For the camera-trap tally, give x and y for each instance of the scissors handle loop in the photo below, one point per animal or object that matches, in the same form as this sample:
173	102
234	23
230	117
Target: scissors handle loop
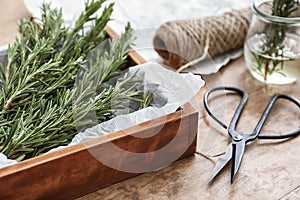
266	114
238	111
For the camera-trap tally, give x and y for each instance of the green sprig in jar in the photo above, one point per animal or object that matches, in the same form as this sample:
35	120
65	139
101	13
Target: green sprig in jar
272	47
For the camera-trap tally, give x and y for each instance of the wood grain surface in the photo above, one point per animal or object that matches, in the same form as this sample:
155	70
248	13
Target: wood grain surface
270	169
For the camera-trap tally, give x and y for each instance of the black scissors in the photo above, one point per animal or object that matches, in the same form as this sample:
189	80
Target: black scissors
236	149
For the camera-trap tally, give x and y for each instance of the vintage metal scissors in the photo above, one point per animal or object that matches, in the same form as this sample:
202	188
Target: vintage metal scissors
236	149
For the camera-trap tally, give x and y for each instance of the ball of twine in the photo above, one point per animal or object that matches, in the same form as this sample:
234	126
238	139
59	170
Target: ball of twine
182	43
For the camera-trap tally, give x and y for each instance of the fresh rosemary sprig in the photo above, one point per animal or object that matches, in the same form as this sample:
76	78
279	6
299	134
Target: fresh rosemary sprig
53	81
275	34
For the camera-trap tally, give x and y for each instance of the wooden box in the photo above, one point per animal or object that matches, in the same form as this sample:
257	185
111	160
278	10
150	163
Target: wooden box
73	172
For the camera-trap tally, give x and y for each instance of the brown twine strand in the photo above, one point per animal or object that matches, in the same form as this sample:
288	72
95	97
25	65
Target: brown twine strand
183	43
191	63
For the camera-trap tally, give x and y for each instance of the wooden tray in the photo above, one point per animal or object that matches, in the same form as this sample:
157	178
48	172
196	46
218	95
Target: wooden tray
75	171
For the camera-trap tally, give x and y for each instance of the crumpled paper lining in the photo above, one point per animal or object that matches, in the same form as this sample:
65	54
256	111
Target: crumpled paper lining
4	161
175	90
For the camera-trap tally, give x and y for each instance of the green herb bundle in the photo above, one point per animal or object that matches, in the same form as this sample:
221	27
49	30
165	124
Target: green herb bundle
273	46
52	81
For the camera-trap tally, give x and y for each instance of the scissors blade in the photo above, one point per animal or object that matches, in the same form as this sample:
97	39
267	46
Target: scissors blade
221	163
238	149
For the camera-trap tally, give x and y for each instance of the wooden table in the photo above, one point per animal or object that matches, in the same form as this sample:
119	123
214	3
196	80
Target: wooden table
270	169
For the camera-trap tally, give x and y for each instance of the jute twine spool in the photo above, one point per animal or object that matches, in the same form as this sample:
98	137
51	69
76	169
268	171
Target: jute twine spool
183	43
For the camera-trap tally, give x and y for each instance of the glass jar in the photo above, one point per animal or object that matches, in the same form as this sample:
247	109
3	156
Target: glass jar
272	46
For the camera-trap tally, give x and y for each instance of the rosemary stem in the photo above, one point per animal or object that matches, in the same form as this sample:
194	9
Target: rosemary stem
266	70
